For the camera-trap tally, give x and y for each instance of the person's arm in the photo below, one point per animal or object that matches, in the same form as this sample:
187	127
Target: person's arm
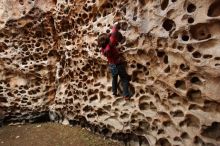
114	35
106	51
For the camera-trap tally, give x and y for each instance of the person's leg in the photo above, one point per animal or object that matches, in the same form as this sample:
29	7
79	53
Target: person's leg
124	78
114	72
114	84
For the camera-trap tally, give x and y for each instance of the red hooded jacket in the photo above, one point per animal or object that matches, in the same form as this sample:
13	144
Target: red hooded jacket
110	51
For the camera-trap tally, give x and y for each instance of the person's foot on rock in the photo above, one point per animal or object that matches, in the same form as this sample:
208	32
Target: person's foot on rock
115	95
127	97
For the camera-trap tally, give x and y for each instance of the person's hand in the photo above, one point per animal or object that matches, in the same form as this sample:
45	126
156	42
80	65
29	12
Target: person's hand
117	25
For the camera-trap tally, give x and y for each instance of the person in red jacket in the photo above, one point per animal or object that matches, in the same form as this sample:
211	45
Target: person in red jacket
108	43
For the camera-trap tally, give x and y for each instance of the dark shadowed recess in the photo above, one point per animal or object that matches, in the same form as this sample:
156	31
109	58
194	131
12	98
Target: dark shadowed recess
103	130
36	117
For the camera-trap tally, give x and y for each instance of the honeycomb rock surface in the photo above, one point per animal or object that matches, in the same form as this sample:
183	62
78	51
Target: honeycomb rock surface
51	68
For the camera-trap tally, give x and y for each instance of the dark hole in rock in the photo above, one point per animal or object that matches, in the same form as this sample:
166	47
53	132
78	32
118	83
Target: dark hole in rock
38	34
160	53
135	14
177	138
190	121
185	37
177	113
211	106
217	58
180	84
184	135
195	80
217	64
124	10
212	131
95	97
194	107
163	142
25	48
37	44
180	48
173	1
40	117
190	20
184	67
144	125
134	18
175	36
68	43
10	94
144	106
142	91
139	66
191	8
85	31
164	4
66	10
142	2
160	131
197	140
105	13
21	2
3	99
141	52
168	24
152	106
89	8
101	112
53	53
207	56
194	95
84	16
87	108
196	54
124	25
124	116
200	31
105	131
108	5
214	9
167	70
167	123
165	60
190	48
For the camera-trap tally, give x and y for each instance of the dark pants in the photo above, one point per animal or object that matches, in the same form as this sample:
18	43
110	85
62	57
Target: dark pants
116	70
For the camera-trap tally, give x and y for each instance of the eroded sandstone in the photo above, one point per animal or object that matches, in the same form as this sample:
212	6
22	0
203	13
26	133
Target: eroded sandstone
51	66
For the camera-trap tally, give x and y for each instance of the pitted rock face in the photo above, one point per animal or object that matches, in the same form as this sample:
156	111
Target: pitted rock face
50	65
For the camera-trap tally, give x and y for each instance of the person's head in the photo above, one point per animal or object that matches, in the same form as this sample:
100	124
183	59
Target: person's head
103	40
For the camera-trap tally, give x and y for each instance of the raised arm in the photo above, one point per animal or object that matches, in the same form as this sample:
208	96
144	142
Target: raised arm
114	35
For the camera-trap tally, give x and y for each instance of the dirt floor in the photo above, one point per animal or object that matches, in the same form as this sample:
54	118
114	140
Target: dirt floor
50	134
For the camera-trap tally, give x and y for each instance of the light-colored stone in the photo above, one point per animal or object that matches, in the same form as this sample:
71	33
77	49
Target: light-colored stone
50	63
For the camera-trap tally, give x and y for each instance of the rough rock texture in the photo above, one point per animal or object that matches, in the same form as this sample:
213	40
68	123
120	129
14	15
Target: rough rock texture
50	64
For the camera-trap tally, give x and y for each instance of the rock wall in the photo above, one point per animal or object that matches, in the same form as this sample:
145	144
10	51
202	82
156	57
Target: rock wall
50	65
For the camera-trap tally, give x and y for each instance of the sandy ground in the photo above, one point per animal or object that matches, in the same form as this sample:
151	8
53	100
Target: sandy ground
50	134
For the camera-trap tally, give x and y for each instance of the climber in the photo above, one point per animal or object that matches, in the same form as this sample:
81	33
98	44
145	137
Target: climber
108	43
